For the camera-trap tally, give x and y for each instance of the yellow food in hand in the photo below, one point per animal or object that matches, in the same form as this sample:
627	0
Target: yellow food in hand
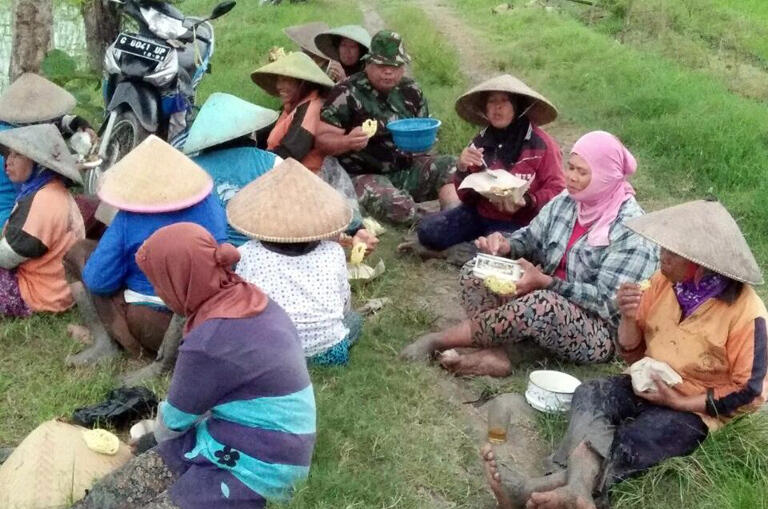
644	285
501	191
357	254
369	127
101	441
500	286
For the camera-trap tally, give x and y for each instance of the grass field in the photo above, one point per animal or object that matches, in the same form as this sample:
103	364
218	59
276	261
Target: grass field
388	437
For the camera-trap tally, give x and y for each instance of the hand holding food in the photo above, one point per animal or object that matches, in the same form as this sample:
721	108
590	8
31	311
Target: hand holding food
369	127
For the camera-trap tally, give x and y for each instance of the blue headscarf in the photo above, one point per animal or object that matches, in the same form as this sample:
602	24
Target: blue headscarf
38	178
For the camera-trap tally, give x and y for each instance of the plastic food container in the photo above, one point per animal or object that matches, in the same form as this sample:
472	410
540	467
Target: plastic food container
551	391
486	265
414	134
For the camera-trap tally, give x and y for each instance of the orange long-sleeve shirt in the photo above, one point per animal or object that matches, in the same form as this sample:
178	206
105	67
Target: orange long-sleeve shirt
720	346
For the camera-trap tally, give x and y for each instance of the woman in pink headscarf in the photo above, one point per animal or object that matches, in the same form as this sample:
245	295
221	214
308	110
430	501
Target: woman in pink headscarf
575	254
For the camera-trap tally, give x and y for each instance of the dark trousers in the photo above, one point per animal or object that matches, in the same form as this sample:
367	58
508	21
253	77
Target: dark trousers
454	226
630	434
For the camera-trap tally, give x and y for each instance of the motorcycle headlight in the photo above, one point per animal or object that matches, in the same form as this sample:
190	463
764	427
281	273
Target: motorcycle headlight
165	72
110	60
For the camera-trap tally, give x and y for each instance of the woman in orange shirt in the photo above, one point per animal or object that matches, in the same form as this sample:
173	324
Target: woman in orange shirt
300	84
44	223
700	315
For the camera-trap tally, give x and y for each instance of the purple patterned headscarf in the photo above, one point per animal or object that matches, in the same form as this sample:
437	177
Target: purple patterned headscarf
691	295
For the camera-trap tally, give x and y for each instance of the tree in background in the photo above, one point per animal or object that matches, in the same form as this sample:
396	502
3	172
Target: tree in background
32	35
102	24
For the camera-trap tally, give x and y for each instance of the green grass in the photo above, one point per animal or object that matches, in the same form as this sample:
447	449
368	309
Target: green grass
387	435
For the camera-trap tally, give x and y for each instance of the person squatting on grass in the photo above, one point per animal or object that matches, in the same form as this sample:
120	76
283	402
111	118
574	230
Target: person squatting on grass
575	254
388	181
29	100
705	321
221	142
301	86
511	114
238	424
153	186
347	45
43	225
289	212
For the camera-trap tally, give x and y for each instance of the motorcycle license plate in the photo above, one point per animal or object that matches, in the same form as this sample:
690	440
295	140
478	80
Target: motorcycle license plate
142	48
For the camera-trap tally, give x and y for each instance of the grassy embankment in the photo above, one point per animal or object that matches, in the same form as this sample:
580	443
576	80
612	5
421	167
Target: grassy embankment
694	137
386	436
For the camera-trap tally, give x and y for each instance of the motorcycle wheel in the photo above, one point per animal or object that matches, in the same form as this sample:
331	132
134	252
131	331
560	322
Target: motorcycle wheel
127	133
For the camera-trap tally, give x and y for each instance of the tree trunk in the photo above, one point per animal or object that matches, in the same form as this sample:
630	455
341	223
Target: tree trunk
32	35
102	24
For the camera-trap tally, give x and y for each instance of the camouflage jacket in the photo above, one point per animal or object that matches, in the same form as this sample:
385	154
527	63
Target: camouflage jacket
353	101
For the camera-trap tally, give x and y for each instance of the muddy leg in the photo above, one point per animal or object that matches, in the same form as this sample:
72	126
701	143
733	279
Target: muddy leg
137	483
103	347
166	355
511	488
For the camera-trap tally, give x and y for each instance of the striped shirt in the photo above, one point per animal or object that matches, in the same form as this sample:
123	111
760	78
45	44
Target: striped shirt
242	392
593	274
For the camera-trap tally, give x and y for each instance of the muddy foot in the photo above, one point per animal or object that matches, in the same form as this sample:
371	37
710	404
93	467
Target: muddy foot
482	362
142	375
415	247
422	349
511	489
564	497
79	333
100	352
493	477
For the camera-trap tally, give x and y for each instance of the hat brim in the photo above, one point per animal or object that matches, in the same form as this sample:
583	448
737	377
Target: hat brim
328	42
65	165
471	105
304	36
157	208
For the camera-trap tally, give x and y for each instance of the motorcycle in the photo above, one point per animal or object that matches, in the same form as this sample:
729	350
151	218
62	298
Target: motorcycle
151	75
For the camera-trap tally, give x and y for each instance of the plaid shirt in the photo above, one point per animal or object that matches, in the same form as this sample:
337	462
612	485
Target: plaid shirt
593	274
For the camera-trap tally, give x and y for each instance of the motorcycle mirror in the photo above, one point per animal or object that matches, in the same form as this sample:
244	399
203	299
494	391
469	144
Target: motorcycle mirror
221	9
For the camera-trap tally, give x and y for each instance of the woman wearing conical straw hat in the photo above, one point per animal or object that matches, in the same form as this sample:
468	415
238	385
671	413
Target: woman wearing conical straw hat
511	115
237	428
573	257
347	45
44	224
292	214
304	36
153	186
32	99
221	142
701	317
301	86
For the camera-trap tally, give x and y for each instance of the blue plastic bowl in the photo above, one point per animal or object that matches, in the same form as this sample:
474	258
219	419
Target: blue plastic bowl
414	134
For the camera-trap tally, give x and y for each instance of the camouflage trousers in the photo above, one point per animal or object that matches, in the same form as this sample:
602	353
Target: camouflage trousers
393	197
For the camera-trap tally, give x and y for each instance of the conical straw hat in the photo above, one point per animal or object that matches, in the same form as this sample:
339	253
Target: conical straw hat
294	65
154	177
43	144
289	204
32	99
223	118
704	233
471	105
304	35
53	467
328	42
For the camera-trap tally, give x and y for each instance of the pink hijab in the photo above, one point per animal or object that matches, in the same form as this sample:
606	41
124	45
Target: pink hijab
611	163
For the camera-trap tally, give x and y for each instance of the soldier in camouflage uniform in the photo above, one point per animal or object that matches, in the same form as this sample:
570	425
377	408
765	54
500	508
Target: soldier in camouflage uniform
388	181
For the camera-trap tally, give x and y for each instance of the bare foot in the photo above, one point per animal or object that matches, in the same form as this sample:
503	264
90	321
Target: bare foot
422	349
493	477
79	333
513	489
101	351
485	361
564	497
141	375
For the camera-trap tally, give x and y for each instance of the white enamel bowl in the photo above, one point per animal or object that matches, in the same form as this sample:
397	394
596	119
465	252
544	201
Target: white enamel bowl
551	391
